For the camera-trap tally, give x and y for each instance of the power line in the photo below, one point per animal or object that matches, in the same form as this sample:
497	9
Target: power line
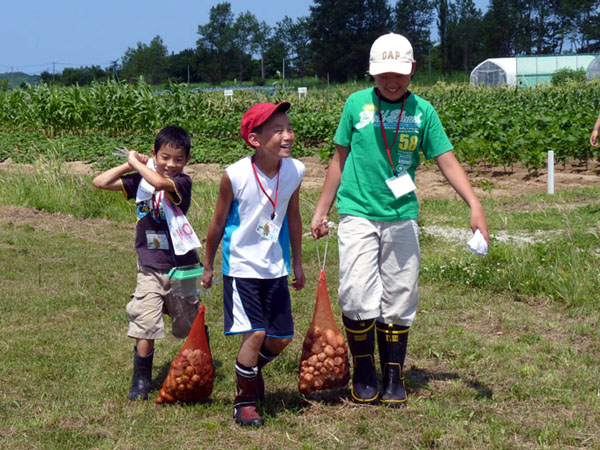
53	64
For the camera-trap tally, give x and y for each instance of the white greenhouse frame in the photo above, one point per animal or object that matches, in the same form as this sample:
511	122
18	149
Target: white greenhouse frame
526	71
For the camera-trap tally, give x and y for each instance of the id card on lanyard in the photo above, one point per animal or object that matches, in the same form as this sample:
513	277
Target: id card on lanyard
157	240
266	226
400	183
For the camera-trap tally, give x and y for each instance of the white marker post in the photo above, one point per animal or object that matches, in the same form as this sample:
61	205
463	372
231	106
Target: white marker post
302	91
550	172
229	93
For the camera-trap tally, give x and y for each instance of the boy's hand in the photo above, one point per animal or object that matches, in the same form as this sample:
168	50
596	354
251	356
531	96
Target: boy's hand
318	227
134	156
207	278
299	278
594	138
478	222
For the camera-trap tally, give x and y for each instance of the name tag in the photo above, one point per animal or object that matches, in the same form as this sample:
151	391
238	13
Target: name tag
157	240
401	185
267	229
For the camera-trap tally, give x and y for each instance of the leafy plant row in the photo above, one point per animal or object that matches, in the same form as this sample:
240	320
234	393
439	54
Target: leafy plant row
511	125
496	126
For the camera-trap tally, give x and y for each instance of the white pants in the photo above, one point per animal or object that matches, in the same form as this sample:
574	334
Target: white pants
379	269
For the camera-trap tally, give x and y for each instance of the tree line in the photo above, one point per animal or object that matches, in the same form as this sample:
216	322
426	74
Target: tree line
333	41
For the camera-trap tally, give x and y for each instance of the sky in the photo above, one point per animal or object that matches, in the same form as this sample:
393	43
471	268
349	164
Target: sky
42	35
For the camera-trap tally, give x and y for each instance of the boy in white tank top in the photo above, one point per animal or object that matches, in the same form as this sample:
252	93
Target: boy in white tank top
258	217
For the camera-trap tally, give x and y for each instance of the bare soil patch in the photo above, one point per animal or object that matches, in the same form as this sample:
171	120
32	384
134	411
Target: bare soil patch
496	182
487	181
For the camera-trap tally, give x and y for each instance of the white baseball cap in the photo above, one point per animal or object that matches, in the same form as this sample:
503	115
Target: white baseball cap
391	53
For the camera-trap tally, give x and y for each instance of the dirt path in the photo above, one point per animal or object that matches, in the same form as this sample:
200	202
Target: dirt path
487	181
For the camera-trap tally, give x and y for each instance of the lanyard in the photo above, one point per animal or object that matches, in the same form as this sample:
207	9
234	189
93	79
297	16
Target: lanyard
274	203
383	129
156	205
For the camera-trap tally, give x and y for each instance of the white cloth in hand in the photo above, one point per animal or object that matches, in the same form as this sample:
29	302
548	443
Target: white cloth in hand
477	244
145	190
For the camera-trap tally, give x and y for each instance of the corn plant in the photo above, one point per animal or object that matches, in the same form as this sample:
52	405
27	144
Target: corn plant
498	126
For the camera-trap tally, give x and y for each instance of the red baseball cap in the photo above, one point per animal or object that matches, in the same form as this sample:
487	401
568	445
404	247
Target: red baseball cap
259	114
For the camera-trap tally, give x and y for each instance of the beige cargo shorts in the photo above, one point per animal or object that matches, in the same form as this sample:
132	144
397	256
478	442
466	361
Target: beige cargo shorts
145	309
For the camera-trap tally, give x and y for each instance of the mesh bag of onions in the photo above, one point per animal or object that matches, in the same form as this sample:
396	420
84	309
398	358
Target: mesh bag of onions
324	360
191	374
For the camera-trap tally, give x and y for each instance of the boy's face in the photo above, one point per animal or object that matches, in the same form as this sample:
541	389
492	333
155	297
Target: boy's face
170	161
393	85
276	137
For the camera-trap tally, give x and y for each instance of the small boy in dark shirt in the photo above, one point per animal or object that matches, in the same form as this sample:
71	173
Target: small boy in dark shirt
154	182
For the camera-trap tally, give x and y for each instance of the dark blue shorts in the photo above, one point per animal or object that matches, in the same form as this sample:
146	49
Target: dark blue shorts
252	304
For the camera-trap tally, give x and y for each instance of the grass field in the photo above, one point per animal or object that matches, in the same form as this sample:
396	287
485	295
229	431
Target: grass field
503	353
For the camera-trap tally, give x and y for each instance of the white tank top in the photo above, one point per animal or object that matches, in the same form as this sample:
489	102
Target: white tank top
246	254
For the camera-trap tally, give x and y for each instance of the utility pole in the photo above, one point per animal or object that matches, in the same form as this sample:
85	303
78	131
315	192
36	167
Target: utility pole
53	64
188	70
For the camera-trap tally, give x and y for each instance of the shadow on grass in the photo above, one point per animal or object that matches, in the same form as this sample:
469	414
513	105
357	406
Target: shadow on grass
419	379
286	400
282	400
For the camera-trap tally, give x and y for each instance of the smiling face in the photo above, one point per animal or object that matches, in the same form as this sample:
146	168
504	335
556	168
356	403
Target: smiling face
170	161
275	137
393	85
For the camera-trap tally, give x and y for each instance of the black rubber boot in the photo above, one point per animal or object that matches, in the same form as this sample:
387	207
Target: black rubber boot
264	358
361	340
392	340
142	376
244	407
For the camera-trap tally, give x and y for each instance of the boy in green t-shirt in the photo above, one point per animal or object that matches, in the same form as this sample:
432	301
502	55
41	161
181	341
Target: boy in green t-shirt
372	172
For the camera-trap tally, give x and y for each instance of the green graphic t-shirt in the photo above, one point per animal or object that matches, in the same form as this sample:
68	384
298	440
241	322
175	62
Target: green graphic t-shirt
363	191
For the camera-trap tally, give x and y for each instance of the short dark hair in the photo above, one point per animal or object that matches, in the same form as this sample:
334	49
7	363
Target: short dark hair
258	129
173	136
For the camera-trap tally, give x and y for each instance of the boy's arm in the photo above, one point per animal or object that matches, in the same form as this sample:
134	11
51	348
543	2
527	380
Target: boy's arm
295	227
138	162
111	179
457	178
594	136
215	229
333	179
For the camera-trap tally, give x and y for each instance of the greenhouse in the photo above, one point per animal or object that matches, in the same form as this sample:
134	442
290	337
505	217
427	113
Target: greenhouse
526	71
593	70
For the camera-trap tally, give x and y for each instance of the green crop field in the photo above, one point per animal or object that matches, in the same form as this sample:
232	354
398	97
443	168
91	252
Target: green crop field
501	127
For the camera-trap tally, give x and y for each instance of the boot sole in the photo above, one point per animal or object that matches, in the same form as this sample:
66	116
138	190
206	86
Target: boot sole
364	401
397	404
256	422
251	423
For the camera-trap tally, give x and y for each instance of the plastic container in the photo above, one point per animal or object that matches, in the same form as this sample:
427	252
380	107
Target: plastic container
184	280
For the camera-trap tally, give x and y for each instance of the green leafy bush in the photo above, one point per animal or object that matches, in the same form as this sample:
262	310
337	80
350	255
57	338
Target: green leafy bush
562	76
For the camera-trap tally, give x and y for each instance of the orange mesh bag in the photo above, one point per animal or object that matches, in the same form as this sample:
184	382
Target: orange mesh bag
191	374
324	360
